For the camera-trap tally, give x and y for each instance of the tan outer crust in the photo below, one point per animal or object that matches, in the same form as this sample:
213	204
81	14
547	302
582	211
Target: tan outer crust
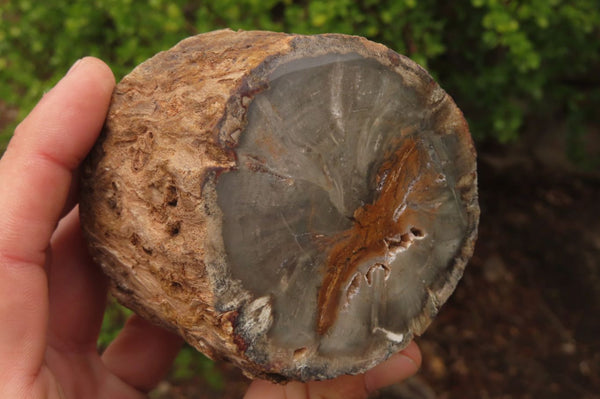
141	120
167	139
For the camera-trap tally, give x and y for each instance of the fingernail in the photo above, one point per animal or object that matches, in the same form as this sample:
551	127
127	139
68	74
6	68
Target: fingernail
74	66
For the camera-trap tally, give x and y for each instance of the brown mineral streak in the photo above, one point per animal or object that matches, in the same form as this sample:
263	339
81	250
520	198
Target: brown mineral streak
402	179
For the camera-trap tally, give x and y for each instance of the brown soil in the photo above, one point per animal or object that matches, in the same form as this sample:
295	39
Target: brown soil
525	320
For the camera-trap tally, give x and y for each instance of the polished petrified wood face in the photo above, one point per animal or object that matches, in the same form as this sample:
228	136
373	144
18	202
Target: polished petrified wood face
298	205
342	210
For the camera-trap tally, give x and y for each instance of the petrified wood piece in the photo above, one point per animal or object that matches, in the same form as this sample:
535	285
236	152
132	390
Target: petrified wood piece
299	205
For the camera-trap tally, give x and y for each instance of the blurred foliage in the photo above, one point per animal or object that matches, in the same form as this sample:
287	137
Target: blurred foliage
192	364
505	62
114	319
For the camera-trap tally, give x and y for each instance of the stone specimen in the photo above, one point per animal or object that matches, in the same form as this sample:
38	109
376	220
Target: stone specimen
298	205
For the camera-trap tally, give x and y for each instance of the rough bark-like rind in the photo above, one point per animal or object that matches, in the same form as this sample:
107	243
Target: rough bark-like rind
148	199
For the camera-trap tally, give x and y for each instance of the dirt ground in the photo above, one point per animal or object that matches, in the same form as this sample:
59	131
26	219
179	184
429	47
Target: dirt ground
525	320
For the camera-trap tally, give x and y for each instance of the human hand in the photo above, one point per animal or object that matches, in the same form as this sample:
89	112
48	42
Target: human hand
52	296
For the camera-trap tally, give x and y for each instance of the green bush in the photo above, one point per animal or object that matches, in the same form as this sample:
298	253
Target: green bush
519	61
192	364
114	319
505	62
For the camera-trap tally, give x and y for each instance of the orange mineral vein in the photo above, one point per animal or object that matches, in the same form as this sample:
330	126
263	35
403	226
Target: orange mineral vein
380	227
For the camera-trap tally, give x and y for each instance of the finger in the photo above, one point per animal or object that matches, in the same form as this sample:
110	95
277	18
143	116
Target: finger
77	290
142	353
344	387
48	145
260	389
35	173
397	368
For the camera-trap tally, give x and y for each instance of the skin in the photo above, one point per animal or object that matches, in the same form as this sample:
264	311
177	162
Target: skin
52	296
